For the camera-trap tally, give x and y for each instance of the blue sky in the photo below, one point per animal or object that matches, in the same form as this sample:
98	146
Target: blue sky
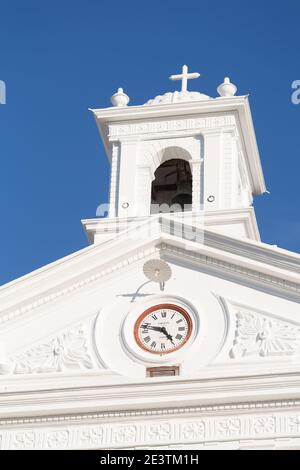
60	57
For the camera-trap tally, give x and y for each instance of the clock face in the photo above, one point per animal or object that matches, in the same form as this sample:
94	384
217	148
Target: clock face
163	329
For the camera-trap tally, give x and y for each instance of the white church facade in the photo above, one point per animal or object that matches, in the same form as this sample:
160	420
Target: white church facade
177	327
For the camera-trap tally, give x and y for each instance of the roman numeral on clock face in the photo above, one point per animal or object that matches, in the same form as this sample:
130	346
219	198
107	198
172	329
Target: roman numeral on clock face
163	329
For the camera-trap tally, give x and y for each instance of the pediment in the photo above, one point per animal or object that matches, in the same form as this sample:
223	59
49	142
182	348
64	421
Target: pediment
255	264
78	343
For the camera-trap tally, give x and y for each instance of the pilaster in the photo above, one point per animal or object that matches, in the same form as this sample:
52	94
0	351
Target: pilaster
127	178
143	190
212	169
197	169
114	180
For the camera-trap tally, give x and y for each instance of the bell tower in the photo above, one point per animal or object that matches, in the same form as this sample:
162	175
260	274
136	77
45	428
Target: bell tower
183	154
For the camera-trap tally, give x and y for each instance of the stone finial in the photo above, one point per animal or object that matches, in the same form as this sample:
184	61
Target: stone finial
119	99
227	89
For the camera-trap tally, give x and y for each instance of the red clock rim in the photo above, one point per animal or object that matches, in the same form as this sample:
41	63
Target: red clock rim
153	309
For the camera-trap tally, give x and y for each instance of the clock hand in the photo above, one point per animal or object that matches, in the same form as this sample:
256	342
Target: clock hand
161	330
154	328
164	331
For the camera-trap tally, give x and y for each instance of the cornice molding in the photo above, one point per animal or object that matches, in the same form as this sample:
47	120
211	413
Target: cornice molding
258	279
209	409
263	254
220	105
6	317
117	394
252	249
209	219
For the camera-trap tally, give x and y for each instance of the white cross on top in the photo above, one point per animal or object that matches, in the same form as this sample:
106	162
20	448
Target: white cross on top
184	77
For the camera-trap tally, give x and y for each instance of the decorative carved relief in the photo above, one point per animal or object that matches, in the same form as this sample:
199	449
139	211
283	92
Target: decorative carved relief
229	427
171	126
66	351
146	432
193	431
23	440
91	437
57	439
264	425
158	432
125	435
293	424
264	336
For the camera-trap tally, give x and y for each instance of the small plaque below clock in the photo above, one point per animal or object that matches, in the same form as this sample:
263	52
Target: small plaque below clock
168	371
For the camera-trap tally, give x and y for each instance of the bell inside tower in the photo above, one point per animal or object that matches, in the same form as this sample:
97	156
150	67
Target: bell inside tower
172	187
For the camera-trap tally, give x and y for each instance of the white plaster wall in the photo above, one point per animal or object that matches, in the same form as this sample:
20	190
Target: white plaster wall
111	302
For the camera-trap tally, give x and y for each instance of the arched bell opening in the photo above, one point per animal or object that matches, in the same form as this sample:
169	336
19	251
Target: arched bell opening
172	187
